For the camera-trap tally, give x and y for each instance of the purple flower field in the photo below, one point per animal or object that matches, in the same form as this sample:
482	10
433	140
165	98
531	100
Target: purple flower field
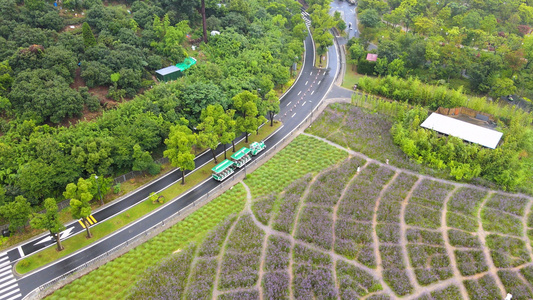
317	281
202	279
213	242
338	242
277	253
354	282
240	264
252	294
262	208
328	187
289	202
316	226
276	285
168	280
482	288
470	262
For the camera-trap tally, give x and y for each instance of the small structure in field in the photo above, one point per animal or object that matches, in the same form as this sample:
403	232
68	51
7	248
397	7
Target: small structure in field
464	130
371	57
174	72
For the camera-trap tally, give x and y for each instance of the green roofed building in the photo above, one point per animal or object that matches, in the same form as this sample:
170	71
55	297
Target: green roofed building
174	72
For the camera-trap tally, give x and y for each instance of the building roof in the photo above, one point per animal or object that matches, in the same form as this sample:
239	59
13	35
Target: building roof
167	70
371	57
222	166
239	154
187	63
469	132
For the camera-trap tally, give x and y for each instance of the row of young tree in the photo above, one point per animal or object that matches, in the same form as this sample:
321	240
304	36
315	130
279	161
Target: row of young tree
487	46
219	126
509	165
38	160
19	212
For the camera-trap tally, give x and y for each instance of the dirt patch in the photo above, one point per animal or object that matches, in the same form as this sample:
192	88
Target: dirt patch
78	81
70	28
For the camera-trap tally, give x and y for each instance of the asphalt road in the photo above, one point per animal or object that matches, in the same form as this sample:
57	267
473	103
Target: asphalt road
348	14
296	105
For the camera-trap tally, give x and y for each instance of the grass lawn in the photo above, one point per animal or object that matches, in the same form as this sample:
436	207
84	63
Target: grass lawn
318	64
100	230
350	77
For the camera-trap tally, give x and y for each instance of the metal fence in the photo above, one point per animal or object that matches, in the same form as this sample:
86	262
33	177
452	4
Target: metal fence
132	174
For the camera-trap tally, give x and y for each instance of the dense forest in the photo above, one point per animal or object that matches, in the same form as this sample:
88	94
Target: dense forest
484	46
57	60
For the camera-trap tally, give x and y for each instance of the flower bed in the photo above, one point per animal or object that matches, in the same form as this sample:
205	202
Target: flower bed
166	280
285	218
484	288
354	282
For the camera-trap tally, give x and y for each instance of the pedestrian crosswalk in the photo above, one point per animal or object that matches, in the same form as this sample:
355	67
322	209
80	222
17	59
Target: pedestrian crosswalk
9	288
307	18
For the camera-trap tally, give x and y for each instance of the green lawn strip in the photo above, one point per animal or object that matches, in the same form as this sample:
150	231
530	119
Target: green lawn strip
79	241
350	77
100	230
115	278
324	61
303	155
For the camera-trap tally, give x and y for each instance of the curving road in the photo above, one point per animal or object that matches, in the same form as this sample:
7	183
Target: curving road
296	105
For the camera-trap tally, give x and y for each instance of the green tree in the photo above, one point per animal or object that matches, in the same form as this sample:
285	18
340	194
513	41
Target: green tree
50	221
246	105
271	104
88	37
228	135
16	212
80	196
503	87
369	18
100	185
213	125
142	160
396	68
179	147
381	66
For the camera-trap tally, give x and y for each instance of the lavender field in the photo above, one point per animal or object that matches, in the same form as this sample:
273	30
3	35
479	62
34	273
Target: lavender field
375	233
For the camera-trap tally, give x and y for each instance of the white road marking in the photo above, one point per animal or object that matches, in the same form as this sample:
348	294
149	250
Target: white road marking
310	73
293	115
306	82
17	296
288	103
299	93
20	251
304	103
12	292
312	92
319	81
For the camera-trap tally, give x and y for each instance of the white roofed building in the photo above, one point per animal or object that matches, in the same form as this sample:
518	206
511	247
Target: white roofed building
467	131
